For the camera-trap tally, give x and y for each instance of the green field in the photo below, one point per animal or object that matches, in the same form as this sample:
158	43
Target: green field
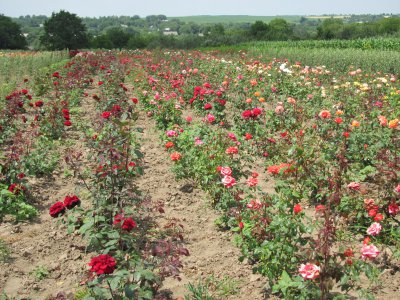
373	54
233	19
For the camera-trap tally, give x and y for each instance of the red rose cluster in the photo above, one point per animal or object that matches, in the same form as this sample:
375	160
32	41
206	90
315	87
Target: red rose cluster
126	223
102	264
252	114
66	117
58	208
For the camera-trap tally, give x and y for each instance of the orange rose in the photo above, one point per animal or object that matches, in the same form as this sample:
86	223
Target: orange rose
394	123
175	156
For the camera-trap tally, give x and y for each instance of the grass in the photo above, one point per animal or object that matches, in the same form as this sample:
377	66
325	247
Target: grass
212	288
19	65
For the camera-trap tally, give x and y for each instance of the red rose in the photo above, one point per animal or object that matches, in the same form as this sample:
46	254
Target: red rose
16	188
71	201
221	102
256	112
39	103
129	224
320	208
67	123
102	264
207	106
118	219
116	109
231	150
297	208
378	217
348	252
338	120
169	145
57	209
106	115
247	114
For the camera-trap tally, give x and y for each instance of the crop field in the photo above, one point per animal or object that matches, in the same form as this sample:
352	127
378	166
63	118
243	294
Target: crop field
223	174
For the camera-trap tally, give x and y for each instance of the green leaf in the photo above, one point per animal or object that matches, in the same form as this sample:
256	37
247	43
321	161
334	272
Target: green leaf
88	225
7	193
114	282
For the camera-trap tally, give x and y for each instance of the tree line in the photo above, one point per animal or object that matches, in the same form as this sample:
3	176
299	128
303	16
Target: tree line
66	30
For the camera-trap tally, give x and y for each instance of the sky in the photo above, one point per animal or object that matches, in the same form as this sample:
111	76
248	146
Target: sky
174	8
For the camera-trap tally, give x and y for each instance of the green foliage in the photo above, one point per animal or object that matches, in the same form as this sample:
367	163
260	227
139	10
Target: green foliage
15	205
212	288
40	272
314	54
5	252
64	31
10	34
42	159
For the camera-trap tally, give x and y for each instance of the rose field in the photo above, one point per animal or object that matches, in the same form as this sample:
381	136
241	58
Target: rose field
197	175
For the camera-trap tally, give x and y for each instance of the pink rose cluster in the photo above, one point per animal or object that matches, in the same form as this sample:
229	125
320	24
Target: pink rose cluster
228	181
309	271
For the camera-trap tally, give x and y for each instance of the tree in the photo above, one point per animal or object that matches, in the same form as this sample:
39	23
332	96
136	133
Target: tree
389	25
118	37
330	29
101	42
64	30
10	34
259	30
279	30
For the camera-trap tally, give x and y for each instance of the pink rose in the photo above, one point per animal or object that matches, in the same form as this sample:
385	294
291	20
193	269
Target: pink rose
374	229
252	181
355	186
232	136
279	109
254	204
309	271
228	181
226	171
171	133
369	251
210	118
397	188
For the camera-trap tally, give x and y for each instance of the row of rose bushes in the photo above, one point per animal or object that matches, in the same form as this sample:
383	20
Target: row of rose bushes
31	122
135	254
131	253
328	141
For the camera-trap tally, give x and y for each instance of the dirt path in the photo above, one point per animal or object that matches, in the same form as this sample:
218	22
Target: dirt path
212	252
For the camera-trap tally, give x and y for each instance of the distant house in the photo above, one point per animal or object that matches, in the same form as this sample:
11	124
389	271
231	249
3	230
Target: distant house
168	31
